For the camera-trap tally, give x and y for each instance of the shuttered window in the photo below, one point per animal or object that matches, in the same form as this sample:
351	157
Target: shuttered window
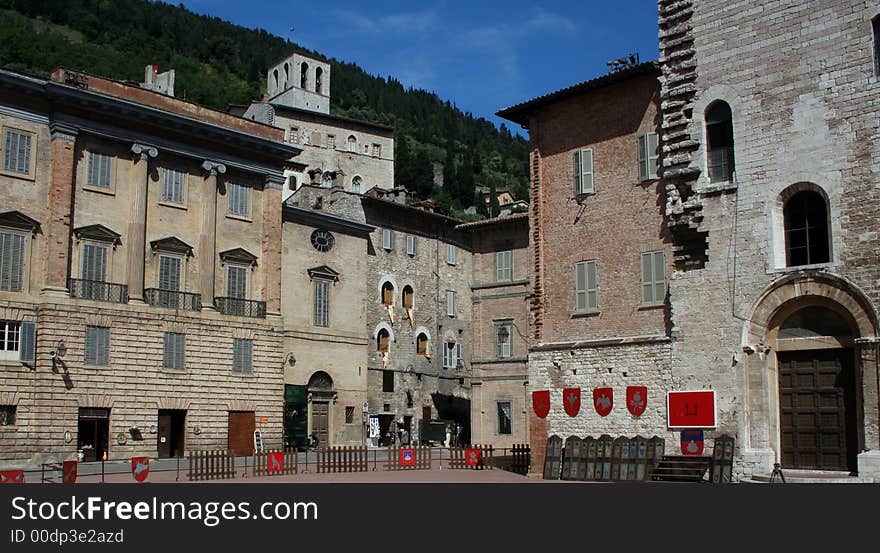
322	303
387	239
648	156
94	262
97	345
238	199
504	266
653	277
175	351
236	283
169	273
17	152
450	303
505	418
411	246
583	172
11	261
28	344
172	190
450	356
10	335
450	254
99	170
586	286
242	355
503	339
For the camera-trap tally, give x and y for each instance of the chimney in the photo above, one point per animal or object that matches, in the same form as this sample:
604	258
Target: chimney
163	83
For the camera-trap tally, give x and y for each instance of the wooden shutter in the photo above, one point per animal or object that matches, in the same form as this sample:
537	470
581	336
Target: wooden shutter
97	345
659	276
653	155
17	157
383	340
447	354
238	199
503	266
387	240
450	303
27	345
103	346
458	361
99	170
242	355
175	351
322	304
586	165
643	157
169	273
653	277
94	264
411	245
236	282
592	285
91	347
450	254
11	262
173	186
580	286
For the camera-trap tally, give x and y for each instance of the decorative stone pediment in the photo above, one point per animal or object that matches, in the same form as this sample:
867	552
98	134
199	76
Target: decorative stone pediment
18	220
323	272
171	244
98	233
238	255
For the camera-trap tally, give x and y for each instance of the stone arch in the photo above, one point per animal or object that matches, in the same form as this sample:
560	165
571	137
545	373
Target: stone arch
95	400
319	80
777	220
732	97
387	279
383	326
241	405
304	75
173	403
320	381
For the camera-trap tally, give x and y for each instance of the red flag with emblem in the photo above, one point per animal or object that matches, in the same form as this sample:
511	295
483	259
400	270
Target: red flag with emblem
603	400
692	442
276	462
636	399
541	402
472	457
407	457
68	472
11	477
140	468
571	399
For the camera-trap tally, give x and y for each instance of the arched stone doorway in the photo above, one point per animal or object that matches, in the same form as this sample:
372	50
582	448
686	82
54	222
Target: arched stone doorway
321	394
811	381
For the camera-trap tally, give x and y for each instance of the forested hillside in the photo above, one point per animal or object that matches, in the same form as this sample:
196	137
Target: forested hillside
219	63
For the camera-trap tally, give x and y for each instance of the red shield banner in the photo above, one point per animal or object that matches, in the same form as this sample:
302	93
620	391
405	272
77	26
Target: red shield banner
276	462
571	399
692	442
472	457
11	477
541	402
636	399
603	399
407	457
68	472
140	468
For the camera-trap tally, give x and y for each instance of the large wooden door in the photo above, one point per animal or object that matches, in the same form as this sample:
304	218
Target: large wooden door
321	422
163	436
241	432
817	409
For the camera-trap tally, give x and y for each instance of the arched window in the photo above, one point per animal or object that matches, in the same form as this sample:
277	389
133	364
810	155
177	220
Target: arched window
719	139
352	143
319	80
275	77
303	75
422	344
806	229
382	340
291	182
387	294
327	180
408	297
356	182
286	74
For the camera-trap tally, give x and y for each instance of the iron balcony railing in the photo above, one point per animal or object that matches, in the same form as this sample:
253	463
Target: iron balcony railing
721	165
97	290
172	299
241	307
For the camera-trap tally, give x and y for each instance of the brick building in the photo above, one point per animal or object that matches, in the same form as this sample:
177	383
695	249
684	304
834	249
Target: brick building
600	253
140	293
770	141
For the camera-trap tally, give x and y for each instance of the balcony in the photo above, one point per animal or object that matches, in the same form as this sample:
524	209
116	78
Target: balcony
241	307
97	290
171	299
721	164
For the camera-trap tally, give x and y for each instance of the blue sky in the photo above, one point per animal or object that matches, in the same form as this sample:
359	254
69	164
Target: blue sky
483	56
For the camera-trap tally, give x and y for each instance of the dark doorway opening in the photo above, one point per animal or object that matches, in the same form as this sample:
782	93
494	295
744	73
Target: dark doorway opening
296	417
93	433
455	411
171	433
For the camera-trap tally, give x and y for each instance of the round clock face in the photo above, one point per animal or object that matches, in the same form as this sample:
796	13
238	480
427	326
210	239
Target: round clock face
322	240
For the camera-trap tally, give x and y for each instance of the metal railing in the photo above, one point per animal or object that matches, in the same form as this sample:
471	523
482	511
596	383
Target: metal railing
172	299
241	307
97	290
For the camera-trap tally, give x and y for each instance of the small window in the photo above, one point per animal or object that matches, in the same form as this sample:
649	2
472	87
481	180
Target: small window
12	252
331	141
352	144
408	297
387	239
504	266
303	75
806	229
422	344
586	286
319	80
503	339
648	156
450	303
876	25
377	150
238	199
583	172
7	415
653	278
17	154
387	381
242	355
382	340
719	135
349	414
236	282
450	355
291	182
293	135
387	294
94	262
173	186
99	170
450	254
322	303
174	355
356	183
10	339
505	417
169	276
411	246
97	346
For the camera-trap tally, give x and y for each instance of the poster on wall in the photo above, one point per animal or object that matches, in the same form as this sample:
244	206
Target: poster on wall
691	409
374	427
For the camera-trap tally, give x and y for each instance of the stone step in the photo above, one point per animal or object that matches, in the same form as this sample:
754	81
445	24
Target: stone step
812	477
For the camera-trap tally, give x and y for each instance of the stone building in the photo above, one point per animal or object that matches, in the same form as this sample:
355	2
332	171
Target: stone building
500	293
337	151
600	254
770	168
140	272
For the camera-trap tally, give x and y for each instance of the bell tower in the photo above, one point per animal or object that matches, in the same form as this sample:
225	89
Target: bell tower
300	82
